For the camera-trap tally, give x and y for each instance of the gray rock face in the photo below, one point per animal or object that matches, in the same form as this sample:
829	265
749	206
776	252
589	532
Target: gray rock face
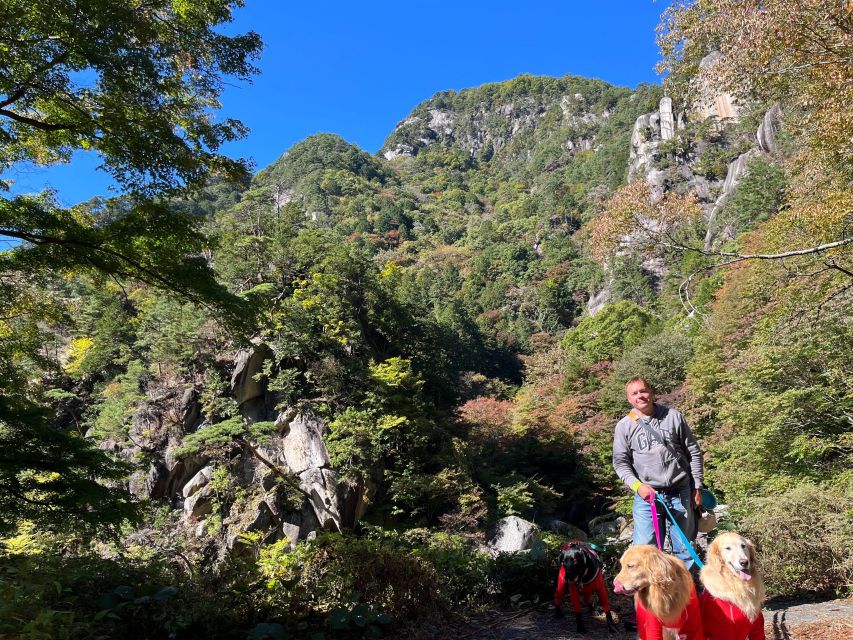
709	100
736	170
484	129
248	364
302	443
321	487
667	122
199	504
301	449
260	519
198	481
190	409
645	140
596	303
769	127
513	534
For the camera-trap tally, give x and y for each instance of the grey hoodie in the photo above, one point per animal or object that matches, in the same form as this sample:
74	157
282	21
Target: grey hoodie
639	456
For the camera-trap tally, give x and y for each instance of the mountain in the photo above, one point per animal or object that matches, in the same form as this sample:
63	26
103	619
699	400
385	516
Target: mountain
436	337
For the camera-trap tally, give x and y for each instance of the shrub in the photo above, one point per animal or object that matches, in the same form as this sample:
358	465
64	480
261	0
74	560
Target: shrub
662	359
758	195
804	538
321	576
607	334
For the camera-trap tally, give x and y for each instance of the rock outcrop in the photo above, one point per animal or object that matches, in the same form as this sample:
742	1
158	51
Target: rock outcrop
485	127
198	481
650	129
769	127
513	534
667	122
247	390
711	102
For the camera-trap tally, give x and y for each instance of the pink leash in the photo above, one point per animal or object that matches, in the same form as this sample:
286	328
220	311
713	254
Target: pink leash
655	518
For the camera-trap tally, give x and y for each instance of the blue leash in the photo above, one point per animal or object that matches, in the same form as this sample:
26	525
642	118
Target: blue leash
681	535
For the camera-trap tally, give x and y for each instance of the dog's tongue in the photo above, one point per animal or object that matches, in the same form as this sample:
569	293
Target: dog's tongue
743	575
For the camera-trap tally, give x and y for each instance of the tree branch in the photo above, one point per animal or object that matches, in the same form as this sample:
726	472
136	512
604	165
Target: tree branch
38	124
760	256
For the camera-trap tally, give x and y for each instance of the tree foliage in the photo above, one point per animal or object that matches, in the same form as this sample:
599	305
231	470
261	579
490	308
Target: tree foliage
133	81
798	53
137	84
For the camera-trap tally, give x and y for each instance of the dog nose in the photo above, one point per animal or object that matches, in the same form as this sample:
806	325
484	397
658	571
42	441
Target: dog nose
744	563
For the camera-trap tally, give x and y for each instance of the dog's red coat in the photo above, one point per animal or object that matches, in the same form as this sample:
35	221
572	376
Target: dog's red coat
725	621
596	585
688	626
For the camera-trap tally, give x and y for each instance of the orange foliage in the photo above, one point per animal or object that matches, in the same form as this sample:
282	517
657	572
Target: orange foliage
634	219
488	419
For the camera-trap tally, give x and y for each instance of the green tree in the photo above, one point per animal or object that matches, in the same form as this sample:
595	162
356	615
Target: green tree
137	84
607	334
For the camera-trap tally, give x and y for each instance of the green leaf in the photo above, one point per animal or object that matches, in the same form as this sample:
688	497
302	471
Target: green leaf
166	593
264	630
339	619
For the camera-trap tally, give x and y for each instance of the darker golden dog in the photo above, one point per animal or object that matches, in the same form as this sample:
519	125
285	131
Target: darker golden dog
663	591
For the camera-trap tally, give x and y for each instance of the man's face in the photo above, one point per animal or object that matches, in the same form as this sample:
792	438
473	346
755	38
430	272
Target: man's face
641	397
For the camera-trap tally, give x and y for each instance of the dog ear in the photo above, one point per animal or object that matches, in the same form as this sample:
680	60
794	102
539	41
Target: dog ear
658	566
753	556
715	555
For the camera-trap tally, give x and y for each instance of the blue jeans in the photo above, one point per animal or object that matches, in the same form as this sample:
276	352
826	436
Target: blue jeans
680	502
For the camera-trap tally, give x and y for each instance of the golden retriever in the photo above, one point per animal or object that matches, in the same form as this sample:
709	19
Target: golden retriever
734	590
663	591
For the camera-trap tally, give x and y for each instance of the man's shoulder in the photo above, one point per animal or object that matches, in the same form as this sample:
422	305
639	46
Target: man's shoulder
624	422
667	413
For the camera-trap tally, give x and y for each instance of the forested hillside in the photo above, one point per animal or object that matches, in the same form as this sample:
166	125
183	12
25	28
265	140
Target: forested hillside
299	402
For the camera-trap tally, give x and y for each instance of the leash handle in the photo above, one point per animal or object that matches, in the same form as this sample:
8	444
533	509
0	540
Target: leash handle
678	530
652	498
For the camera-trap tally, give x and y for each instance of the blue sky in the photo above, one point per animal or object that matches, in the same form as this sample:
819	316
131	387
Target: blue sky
357	69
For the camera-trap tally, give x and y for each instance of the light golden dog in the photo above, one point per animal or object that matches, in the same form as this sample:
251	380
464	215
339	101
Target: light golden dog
732	576
663	592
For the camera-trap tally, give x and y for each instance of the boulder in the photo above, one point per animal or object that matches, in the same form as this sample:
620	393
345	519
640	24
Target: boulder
302	443
513	534
247	365
321	489
566	530
199	504
198	481
608	525
179	470
166	476
291	532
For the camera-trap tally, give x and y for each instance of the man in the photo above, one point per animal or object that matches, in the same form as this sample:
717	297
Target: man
654	452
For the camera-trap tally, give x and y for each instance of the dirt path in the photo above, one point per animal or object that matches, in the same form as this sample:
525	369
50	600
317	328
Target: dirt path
786	620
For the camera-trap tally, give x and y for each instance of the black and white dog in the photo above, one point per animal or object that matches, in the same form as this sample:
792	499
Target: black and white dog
582	570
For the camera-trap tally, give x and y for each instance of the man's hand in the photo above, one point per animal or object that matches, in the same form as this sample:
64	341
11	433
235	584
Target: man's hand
697	497
644	491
